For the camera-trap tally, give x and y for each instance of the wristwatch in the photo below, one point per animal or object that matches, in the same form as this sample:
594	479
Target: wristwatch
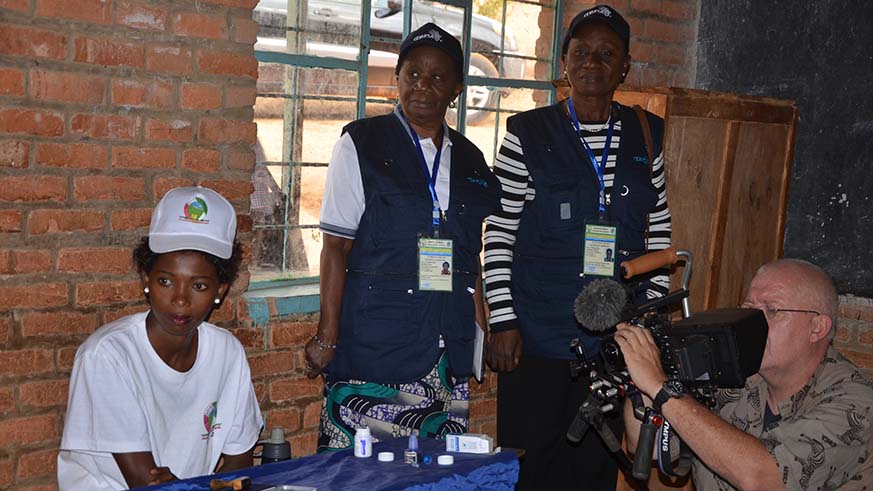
670	389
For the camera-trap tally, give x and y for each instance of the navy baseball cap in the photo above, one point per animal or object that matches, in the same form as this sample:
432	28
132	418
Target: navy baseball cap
603	14
431	34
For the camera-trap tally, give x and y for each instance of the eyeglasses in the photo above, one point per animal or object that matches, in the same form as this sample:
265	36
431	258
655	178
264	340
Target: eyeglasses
772	311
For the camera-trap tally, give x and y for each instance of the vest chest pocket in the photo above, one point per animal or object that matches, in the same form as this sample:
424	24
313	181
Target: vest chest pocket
396	218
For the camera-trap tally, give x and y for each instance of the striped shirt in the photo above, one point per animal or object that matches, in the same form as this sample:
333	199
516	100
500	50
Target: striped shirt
519	189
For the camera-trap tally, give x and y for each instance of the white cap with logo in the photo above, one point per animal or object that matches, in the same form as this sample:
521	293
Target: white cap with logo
193	218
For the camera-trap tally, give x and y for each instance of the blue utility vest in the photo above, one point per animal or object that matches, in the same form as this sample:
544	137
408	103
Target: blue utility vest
549	245
389	330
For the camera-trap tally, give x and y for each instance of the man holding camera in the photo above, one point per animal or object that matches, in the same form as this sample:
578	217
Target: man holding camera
804	421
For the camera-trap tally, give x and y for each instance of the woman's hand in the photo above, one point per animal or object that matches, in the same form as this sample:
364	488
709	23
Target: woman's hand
161	474
318	356
503	350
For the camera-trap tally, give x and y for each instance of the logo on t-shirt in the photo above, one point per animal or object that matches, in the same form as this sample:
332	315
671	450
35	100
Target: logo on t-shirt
209	417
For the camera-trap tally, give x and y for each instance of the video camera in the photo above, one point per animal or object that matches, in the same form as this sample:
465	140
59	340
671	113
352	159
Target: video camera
705	351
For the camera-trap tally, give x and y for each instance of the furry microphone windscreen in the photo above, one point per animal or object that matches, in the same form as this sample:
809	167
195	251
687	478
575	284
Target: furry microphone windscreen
599	305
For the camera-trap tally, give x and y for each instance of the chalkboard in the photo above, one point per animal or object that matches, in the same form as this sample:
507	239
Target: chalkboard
819	54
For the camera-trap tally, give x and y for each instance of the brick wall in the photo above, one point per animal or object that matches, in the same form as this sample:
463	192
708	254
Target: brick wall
104	106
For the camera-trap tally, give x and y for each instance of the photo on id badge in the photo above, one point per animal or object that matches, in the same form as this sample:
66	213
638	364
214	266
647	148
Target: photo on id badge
598	258
434	264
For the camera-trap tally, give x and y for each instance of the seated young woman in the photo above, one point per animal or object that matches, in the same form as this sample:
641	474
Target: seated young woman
163	394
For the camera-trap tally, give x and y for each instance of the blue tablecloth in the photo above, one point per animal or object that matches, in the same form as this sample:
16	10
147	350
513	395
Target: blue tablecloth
343	471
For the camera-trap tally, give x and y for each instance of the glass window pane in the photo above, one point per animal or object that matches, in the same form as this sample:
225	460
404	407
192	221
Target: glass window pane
311	27
300	113
511	49
510	101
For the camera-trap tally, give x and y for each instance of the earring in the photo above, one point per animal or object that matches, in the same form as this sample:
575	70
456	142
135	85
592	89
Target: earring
146	290
452	104
217	301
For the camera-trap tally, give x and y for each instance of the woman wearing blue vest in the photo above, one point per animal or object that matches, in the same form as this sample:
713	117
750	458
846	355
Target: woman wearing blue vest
404	195
578	179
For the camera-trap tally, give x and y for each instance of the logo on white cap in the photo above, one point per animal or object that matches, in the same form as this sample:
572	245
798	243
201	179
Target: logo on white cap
195	211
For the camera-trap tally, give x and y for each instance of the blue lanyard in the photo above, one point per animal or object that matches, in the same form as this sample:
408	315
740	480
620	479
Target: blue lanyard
598	169
431	177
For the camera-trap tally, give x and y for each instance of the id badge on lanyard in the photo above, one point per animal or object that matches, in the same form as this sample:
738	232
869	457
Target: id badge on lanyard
435	264
598	258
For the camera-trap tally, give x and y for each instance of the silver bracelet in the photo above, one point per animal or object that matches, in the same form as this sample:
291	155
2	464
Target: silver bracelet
322	346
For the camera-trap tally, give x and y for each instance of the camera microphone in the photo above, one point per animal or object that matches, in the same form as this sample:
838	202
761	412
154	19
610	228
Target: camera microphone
602	304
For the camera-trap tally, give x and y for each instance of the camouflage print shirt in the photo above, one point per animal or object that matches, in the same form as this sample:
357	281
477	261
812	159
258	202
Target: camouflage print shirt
823	439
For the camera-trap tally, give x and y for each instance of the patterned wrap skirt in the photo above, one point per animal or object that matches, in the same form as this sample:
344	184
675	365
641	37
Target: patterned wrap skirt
431	407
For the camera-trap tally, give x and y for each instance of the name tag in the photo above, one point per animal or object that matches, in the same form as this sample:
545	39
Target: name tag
598	258
435	264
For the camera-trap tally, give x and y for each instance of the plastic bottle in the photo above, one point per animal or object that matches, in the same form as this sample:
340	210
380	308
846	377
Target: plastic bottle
410	455
363	443
275	449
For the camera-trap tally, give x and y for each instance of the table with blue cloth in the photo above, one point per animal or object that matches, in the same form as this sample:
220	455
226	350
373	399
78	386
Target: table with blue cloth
343	471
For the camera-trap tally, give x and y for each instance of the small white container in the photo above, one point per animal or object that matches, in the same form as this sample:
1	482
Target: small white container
363	443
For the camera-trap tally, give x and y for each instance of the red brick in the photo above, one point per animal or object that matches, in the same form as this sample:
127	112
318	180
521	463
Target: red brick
244	30
33	296
240	95
53	221
65	358
113	260
286	334
232	190
11	82
170	59
31	43
113	314
73	155
10	221
680	10
150	93
286	418
102	188
295	388
19	5
865	336
26	362
665	55
7	472
483	408
44	393
34	188
106	292
200	25
39	463
14	153
239	159
202	96
31	122
31	429
144	17
216	130
271	363
5	328
63	323
130	219
312	415
243	4
7	400
304	444
225	63
105	126
108	52
96	11
863	360
163	184
655	77
663	31
23	261
66	87
174	130
201	160
143	157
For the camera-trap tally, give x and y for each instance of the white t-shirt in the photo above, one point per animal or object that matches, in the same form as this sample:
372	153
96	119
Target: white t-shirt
342	204
124	398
